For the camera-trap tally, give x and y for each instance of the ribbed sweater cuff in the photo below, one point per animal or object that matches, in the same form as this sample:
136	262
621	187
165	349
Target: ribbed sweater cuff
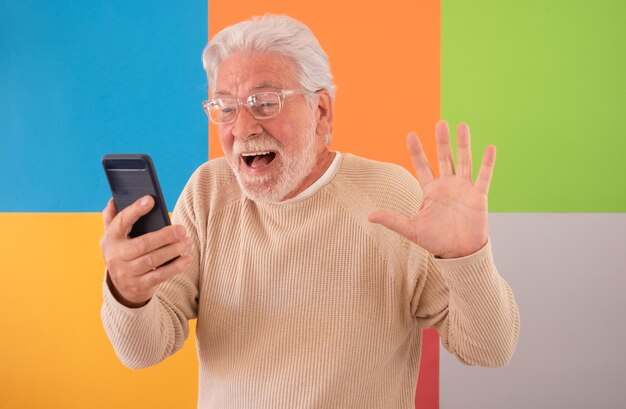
464	275
476	263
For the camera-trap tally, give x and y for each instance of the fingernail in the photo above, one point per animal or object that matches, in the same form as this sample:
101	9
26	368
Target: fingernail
144	202
180	231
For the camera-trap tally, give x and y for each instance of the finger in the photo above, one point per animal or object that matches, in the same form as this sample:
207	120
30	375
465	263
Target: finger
144	244
463	152
444	150
420	161
109	213
122	223
397	223
483	180
164	273
155	259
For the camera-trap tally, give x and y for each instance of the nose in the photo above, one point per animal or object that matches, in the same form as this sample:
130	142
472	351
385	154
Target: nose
245	125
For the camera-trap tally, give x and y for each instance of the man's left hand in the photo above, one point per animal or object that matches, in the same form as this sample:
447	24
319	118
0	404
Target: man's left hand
452	221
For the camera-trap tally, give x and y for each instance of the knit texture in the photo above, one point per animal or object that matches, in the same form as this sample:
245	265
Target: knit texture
307	304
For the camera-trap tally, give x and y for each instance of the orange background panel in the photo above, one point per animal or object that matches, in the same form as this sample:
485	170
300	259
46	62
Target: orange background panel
385	60
385	63
53	349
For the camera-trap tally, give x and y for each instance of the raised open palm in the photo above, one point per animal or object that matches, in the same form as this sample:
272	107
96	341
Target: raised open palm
453	219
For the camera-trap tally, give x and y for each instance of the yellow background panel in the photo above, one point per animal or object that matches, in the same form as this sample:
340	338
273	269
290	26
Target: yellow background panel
53	349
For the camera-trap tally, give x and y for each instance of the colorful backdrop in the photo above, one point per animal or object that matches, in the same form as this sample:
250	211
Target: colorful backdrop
541	80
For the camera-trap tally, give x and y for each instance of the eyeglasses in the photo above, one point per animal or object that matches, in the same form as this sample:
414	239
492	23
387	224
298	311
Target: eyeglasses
262	105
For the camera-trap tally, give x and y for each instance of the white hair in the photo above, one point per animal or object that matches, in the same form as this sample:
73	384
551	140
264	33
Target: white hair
273	34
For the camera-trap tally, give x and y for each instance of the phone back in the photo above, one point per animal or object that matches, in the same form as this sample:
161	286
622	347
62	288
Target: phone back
130	177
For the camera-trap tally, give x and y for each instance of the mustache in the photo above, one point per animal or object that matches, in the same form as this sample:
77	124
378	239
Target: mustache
263	142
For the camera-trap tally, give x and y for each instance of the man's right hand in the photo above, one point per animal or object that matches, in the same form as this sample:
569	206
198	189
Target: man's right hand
135	265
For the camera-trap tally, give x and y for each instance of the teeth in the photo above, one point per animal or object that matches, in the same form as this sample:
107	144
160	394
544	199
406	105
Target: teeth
256	153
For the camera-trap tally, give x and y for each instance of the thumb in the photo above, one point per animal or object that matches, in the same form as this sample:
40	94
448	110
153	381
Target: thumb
397	223
123	222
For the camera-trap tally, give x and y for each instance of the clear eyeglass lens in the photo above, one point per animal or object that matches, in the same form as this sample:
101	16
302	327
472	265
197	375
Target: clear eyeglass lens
264	104
223	110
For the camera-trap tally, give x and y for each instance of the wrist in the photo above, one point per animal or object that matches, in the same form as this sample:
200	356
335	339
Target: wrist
120	298
464	252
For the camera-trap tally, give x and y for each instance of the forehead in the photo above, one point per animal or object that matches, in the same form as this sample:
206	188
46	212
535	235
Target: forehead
245	72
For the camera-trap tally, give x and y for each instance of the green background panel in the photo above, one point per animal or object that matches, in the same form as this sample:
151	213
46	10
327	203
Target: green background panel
545	82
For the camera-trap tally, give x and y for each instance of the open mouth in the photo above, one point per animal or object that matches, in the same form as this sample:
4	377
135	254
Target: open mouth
256	160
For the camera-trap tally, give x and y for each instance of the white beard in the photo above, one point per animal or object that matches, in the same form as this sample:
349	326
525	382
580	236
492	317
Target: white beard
287	175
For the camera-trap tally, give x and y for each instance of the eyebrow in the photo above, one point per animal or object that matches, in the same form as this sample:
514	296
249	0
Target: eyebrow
259	86
267	84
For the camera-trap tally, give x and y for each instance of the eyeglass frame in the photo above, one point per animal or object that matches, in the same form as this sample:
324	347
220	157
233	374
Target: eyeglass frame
282	94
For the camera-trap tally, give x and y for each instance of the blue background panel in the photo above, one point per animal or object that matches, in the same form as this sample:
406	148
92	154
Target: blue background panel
82	79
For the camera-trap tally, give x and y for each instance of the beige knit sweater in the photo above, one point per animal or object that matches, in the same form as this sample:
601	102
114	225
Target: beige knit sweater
307	304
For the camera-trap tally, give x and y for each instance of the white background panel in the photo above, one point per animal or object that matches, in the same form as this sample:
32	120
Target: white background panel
568	273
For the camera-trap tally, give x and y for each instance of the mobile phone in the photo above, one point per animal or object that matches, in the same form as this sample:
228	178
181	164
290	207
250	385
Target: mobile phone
130	177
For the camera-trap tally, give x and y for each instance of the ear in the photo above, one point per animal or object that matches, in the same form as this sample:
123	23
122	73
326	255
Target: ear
324	113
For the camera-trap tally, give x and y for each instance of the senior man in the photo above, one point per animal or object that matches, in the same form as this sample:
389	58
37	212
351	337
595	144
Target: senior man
310	272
